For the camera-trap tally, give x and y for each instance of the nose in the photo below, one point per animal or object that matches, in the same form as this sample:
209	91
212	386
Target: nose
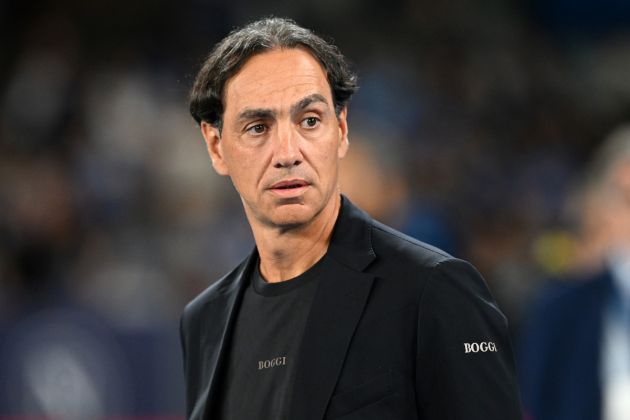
287	151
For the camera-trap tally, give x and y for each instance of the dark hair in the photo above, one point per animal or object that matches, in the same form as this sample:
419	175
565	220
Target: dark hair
231	53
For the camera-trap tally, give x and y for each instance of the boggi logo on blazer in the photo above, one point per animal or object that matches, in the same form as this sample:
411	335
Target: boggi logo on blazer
266	364
480	347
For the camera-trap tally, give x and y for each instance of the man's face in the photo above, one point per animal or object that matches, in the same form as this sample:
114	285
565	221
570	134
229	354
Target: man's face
281	140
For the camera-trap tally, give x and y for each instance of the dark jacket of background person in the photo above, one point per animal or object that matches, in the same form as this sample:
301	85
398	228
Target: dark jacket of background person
561	354
570	367
415	328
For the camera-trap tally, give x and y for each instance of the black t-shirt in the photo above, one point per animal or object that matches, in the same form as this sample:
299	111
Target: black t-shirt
262	357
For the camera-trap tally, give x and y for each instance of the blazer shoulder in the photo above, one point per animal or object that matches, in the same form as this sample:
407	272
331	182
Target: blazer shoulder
413	262
390	243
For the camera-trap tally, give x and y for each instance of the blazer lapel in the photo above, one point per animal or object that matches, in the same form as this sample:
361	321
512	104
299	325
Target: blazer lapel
337	308
216	356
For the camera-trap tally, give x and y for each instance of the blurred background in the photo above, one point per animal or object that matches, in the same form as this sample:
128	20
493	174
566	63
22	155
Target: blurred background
470	131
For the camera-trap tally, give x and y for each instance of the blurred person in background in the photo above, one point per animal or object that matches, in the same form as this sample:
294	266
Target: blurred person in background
332	314
575	357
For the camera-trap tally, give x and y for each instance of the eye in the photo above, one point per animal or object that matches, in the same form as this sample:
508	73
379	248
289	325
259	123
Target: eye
310	122
256	129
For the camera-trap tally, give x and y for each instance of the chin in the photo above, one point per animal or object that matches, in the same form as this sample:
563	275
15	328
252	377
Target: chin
291	218
294	216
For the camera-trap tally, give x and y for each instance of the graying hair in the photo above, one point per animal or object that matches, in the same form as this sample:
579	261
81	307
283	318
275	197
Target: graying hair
231	53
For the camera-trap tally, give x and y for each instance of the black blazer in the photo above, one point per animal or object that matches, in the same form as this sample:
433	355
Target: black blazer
397	330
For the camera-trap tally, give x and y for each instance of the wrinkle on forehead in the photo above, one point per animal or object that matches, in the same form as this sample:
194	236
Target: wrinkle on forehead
276	79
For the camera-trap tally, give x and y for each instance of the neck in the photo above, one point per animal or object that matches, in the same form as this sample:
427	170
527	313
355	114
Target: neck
285	254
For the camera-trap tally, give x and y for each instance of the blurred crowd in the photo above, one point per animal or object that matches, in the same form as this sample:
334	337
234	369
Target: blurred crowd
470	131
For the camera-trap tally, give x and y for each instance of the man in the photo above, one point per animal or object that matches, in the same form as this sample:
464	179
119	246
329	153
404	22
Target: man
575	354
333	315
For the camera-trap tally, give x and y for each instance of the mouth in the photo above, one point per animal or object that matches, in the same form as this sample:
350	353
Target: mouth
290	188
290	184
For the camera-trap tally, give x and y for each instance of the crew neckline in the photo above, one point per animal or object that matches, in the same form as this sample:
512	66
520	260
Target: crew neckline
263	287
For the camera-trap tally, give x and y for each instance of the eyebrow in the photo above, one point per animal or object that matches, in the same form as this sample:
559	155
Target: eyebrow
266	113
315	97
256	113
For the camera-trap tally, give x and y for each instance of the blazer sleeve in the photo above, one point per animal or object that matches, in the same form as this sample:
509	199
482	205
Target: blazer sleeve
465	365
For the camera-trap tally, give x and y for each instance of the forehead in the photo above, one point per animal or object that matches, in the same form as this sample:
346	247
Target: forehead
275	79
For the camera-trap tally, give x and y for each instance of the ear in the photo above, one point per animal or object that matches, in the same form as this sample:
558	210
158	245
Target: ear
343	133
212	136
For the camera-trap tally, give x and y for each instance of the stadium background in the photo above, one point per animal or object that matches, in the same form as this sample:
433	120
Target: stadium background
470	131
